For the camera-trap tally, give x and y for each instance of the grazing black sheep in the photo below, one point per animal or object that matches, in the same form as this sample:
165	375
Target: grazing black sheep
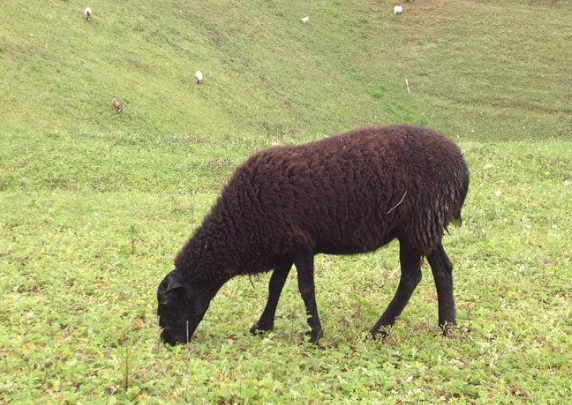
347	194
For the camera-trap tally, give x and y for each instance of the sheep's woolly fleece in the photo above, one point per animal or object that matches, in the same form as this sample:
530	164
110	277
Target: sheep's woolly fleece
349	193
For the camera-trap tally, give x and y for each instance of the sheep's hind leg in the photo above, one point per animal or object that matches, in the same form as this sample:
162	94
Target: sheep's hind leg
443	274
305	268
410	260
275	285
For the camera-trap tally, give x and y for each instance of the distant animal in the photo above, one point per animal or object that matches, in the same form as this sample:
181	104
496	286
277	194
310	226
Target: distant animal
347	194
398	10
305	20
87	13
199	77
117	106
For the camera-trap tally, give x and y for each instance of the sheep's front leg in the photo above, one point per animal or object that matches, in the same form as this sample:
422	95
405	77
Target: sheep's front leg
305	268
443	274
275	285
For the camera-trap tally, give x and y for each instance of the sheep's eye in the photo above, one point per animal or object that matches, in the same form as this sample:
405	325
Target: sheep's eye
164	302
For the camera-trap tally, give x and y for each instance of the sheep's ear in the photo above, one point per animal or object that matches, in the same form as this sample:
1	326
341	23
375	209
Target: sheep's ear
174	281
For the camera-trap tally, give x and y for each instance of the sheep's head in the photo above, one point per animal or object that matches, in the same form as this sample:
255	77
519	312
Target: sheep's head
181	308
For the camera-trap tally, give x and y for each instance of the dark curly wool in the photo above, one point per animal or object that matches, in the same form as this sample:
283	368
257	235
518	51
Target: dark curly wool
346	194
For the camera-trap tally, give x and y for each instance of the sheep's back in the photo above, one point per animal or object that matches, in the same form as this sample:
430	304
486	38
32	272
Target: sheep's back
352	192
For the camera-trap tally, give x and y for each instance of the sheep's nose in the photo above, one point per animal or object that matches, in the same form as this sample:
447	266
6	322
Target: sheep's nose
167	338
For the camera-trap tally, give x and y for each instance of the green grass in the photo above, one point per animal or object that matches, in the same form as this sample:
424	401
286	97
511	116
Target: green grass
93	206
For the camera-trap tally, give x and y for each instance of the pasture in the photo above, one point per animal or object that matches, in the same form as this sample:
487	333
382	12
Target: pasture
94	205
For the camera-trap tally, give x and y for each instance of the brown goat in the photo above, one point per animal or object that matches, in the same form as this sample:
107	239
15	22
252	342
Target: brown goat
117	106
343	195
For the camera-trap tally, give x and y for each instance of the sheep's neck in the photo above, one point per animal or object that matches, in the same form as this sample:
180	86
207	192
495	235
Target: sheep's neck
223	247
206	257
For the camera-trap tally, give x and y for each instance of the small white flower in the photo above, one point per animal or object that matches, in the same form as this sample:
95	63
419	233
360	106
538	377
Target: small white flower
488	166
458	363
567	182
527	226
498	193
554	226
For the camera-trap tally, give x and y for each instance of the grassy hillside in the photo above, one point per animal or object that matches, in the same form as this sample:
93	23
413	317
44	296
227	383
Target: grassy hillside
479	70
94	205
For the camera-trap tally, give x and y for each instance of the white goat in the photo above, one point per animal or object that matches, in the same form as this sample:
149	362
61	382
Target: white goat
398	10
199	76
87	13
305	20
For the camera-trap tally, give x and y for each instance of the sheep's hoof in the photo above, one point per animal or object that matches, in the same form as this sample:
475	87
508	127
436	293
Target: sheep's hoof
375	334
315	336
259	329
446	329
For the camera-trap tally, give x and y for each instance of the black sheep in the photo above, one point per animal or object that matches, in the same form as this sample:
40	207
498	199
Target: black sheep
346	194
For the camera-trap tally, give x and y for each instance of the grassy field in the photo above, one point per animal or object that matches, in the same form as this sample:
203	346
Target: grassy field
93	205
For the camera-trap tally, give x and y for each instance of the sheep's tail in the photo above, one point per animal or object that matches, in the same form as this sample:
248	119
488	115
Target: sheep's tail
457	220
